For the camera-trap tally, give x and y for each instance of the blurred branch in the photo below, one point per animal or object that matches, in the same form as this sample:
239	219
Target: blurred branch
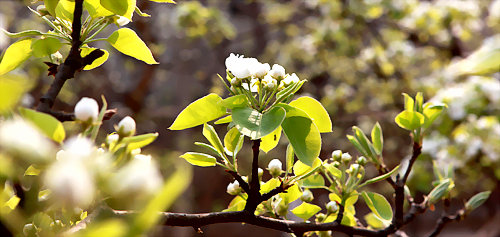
445	219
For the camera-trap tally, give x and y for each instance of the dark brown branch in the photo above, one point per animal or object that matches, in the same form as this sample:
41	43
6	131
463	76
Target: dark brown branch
445	219
340	215
417	150
254	196
243	184
73	63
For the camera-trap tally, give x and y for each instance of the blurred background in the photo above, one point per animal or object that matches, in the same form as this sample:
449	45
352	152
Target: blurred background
358	57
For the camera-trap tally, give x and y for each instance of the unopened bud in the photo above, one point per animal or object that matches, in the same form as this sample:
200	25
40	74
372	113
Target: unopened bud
278	72
126	127
307	196
332	207
86	110
346	158
337	155
275	168
233	188
320	217
361	160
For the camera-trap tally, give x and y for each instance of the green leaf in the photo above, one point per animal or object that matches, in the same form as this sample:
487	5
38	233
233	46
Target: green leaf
140	141
439	191
477	200
483	61
14	55
32	171
375	222
290	158
333	170
12	89
349	202
269	185
316	112
140	13
223	120
302	134
410	120
45	47
271	140
237	204
97	62
357	145
211	135
236	101
431	112
301	169
126	41
65	9
365	143
409	102
123	7
27	33
292	193
51	5
313	181
255	125
199	159
49	125
377	138
289	90
378	204
380	178
95	8
199	112
208	147
107	227
231	139
419	101
172	189
306	210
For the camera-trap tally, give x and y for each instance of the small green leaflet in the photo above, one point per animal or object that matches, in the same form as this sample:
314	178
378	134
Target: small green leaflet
199	159
128	42
199	112
15	54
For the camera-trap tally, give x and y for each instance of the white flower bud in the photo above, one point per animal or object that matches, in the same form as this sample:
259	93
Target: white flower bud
275	168
269	83
233	188
290	79
260	172
143	158
307	196
20	137
361	160
278	71
259	69
121	21
241	71
126	127
71	183
332	207
112	138
76	148
346	157
240	66
86	110
337	155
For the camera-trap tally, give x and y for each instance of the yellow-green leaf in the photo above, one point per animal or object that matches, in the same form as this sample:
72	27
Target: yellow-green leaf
51	5
95	8
49	125
97	62
12	88
378	204
199	112
163	1
14	55
271	140
410	120
123	7
45	47
199	159
126	41
65	9
306	210
316	112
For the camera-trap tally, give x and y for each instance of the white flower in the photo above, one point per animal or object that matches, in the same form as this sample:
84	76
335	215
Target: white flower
289	79
240	66
126	127
241	71
331	207
337	155
277	72
259	69
136	178
269	83
121	21
20	137
86	109
76	148
275	167
143	158
70	183
233	188
346	157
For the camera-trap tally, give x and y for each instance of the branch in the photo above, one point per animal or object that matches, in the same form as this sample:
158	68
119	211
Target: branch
254	196
73	63
417	150
243	184
445	219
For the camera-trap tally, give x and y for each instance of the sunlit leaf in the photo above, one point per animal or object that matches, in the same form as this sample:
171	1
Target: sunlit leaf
381	177
199	159
51	5
236	101
26	33
483	61
440	191
223	120
254	124
15	54
123	8
237	204
12	89
211	135
306	210
300	169
231	139
271	140
269	185
375	222
108	227
377	138
95	8
199	112
410	120
49	125
163	1
292	193
378	204
128	42
45	47
65	9
313	181
97	62
140	141
316	112
431	112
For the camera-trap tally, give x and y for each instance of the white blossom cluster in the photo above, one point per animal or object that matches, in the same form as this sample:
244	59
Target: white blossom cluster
253	75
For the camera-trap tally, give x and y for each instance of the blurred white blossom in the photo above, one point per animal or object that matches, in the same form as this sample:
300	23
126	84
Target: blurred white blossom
86	109
126	127
139	177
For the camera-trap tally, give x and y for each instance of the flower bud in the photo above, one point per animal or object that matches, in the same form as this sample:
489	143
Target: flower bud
353	170
361	160
346	158
122	21
86	110
126	127
331	207
278	72
269	83
143	158
259	69
307	196
260	172
336	164
42	10
337	155
137	179
236	82
233	188
282	208
320	217
275	168
112	138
